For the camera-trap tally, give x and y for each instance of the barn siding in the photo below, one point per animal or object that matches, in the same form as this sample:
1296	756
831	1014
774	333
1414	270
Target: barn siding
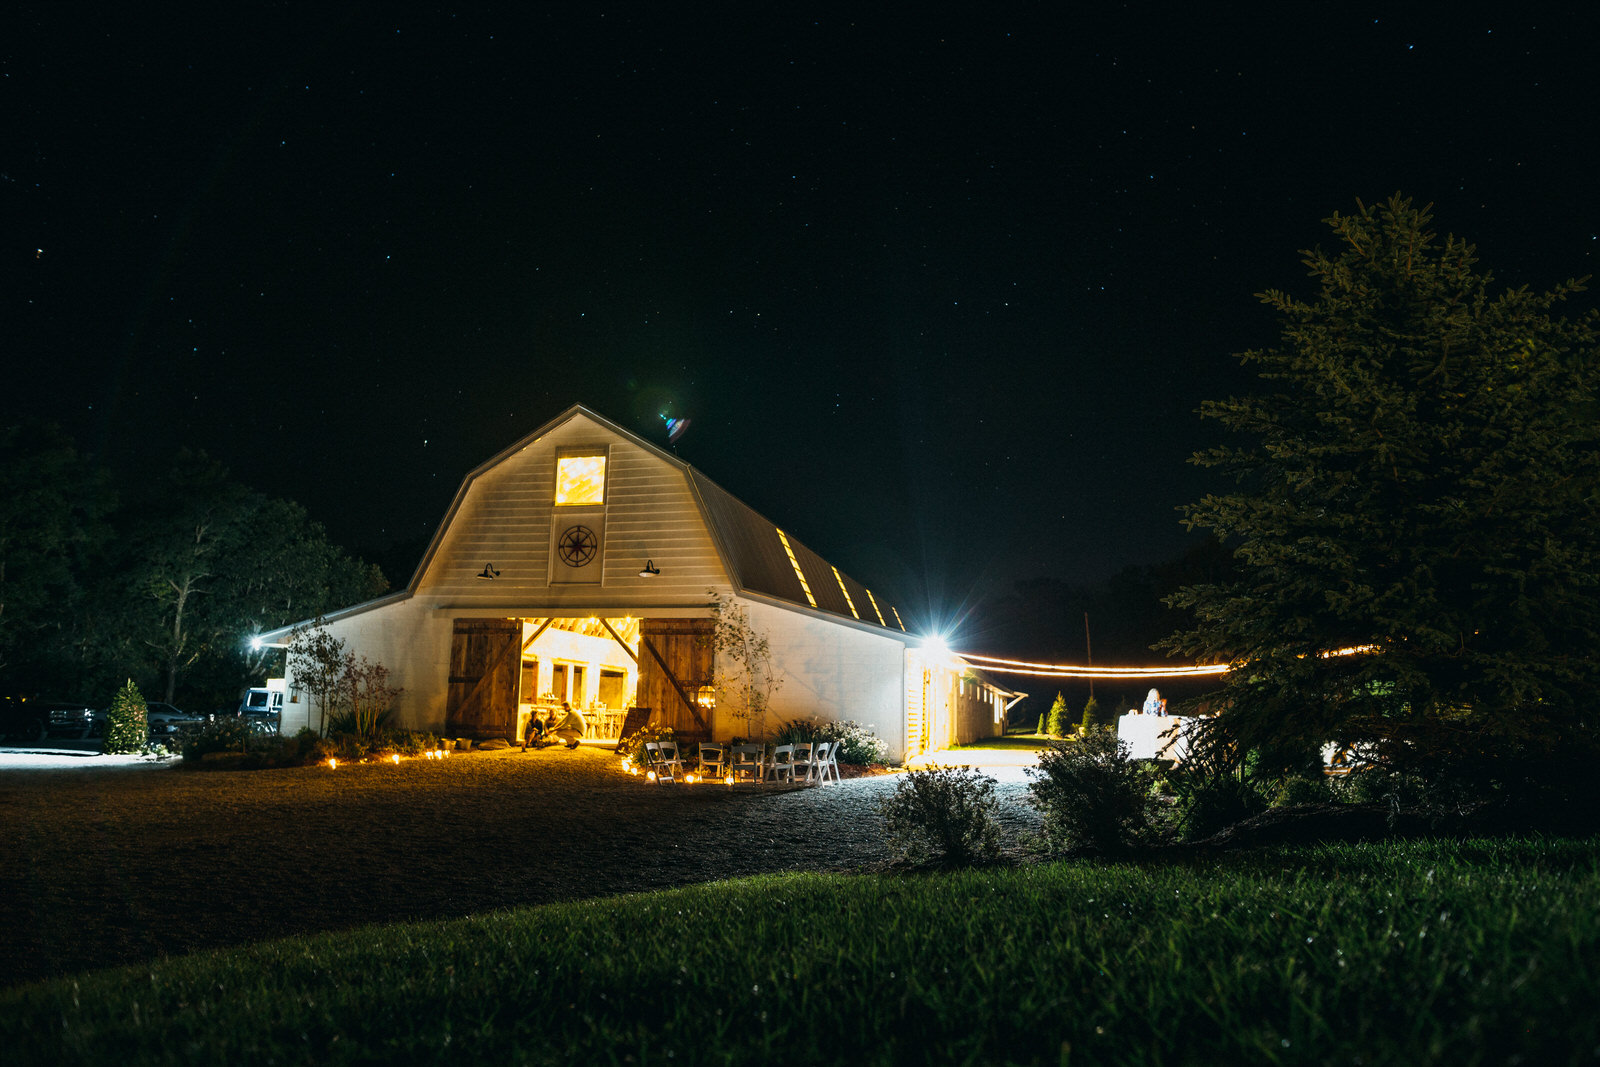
831	671
508	517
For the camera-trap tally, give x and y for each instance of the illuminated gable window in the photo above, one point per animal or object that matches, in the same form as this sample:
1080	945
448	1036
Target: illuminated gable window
838	578
581	479
798	573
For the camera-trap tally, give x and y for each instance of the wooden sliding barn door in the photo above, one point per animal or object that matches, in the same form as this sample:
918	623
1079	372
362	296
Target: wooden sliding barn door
485	665
675	660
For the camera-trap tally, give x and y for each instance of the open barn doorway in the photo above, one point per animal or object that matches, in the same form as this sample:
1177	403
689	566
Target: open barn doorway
506	672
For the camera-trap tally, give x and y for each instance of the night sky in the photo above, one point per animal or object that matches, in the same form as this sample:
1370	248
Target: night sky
940	294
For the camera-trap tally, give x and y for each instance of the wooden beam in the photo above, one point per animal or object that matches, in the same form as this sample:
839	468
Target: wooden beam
542	628
620	641
694	709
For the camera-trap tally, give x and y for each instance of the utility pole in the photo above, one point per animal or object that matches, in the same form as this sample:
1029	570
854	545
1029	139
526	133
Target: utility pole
1088	652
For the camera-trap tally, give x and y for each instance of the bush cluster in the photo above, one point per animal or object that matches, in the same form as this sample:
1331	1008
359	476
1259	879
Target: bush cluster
858	745
1091	794
945	814
1208	802
258	749
632	746
230	733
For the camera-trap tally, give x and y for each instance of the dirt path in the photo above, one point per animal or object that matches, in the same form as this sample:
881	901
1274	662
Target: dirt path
118	865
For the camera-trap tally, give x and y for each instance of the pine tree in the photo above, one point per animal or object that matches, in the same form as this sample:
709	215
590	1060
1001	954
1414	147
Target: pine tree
1417	480
126	727
1091	714
1059	721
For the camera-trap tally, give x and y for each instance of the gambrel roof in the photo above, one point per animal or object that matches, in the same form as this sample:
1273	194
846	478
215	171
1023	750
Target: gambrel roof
758	557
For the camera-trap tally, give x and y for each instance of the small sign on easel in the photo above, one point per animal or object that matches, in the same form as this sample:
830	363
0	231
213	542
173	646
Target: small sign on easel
636	720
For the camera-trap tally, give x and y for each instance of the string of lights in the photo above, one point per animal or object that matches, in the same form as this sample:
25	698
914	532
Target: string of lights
1072	670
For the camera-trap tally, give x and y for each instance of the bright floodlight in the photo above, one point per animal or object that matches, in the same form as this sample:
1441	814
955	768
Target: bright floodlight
934	645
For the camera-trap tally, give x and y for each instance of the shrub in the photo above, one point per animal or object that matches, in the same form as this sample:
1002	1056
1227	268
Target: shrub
1058	719
410	743
1209	802
352	747
364	723
632	746
219	735
1044	721
1302	789
858	745
943	813
255	749
363	700
127	729
304	744
1091	793
801	731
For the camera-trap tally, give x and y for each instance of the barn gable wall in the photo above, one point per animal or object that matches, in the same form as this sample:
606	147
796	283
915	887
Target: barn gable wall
507	518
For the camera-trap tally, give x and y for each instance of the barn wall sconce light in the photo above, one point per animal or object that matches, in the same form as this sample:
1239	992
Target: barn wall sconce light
488	573
650	569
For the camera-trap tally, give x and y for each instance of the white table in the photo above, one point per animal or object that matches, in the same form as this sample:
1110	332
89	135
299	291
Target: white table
1154	736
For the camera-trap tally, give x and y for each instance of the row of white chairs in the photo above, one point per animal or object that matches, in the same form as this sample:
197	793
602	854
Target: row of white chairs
802	761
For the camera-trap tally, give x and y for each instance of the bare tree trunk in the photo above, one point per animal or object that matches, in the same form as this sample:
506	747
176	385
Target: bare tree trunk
178	639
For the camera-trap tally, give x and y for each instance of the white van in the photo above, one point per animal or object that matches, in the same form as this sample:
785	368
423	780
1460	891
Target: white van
263	707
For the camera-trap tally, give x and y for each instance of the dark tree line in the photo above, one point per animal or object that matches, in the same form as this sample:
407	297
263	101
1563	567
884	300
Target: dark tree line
163	582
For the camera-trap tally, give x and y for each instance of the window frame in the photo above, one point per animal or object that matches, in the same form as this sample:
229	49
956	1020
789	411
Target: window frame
603	453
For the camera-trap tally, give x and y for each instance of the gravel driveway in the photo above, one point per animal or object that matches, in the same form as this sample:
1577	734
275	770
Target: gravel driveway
120	864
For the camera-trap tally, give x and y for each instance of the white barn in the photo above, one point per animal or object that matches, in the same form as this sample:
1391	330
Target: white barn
581	563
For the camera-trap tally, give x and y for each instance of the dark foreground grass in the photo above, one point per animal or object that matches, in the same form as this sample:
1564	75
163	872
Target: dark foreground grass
1458	953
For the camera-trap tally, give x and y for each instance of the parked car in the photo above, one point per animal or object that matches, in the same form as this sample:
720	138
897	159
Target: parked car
167	723
164	721
70	720
23	722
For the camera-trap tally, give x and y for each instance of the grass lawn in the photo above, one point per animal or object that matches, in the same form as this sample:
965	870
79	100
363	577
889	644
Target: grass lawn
1450	953
1007	743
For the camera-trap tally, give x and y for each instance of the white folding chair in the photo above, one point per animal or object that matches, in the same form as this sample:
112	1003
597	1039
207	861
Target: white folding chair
831	770
802	765
746	762
658	760
670	760
819	762
713	760
782	765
